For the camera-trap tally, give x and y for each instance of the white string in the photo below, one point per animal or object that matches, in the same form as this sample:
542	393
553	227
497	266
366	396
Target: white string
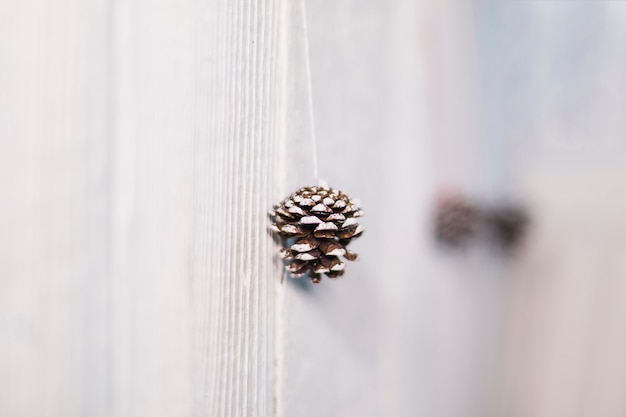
310	92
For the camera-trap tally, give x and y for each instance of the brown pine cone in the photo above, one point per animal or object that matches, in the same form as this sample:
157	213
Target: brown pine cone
317	223
456	221
509	224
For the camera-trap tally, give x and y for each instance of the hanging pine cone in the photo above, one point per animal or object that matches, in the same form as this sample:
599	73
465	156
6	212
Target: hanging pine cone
456	221
509	224
317	223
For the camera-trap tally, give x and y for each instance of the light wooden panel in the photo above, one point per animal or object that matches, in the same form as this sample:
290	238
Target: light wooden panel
151	210
141	146
565	331
238	136
350	342
53	204
142	143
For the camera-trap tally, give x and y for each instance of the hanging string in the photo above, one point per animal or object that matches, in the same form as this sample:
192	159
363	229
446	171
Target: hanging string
310	92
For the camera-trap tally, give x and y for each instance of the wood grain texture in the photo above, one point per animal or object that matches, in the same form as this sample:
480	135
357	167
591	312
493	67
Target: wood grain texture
141	147
142	143
53	204
151	211
238	134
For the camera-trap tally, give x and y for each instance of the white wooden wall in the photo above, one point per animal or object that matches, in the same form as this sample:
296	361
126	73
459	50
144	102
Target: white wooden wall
141	146
142	143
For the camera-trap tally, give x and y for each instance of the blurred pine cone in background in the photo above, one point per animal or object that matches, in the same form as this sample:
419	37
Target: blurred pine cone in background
456	221
317	223
508	224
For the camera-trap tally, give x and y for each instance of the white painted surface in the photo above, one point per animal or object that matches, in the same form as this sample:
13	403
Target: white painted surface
140	151
142	143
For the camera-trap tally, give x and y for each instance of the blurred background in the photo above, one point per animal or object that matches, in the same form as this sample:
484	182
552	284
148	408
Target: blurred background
143	142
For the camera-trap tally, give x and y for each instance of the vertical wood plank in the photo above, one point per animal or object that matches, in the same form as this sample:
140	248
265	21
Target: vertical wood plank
349	342
238	134
53	220
151	209
141	147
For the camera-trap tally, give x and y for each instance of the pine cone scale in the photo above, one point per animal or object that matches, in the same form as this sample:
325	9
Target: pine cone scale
309	220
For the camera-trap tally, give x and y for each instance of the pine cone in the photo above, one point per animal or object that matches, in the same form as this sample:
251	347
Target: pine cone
456	221
317	223
509	224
